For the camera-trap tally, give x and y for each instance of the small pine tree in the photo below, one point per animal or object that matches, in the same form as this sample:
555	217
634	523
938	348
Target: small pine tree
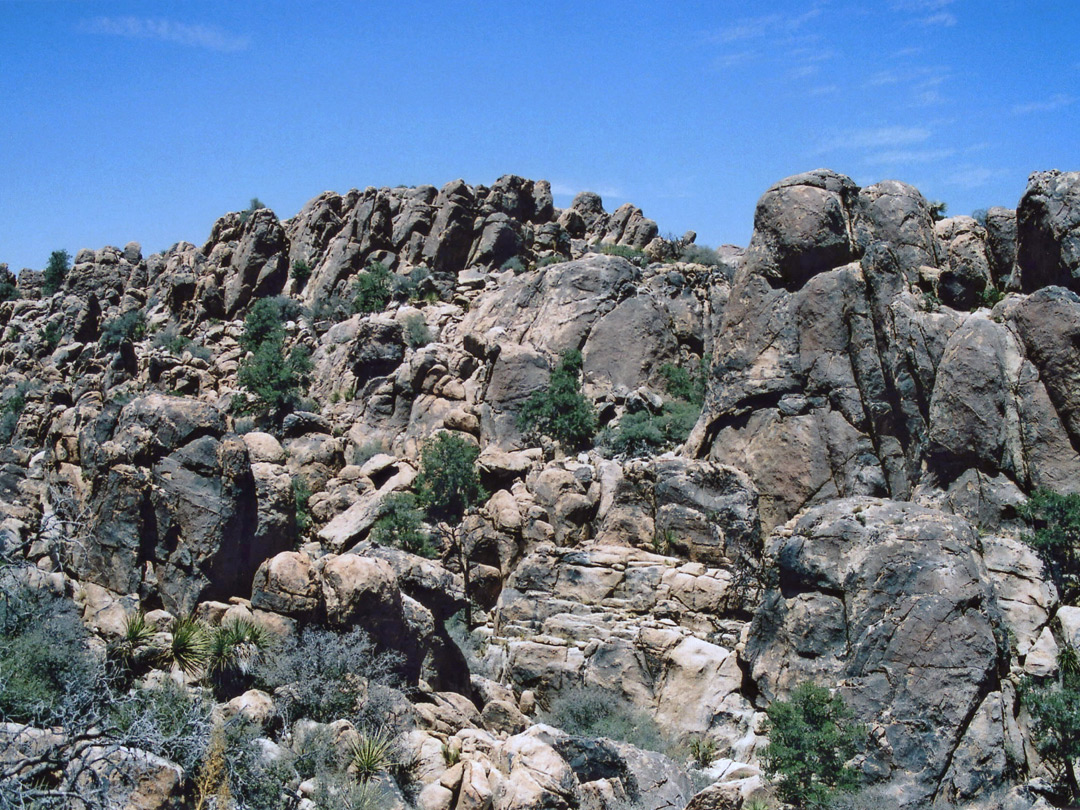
55	271
272	376
561	410
373	289
811	736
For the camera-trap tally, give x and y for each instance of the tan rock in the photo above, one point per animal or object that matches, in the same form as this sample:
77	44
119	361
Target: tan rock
264	448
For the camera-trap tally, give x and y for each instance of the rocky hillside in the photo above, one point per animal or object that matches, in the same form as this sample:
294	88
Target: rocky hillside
812	464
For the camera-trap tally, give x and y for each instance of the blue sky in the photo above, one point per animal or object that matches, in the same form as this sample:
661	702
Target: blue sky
146	121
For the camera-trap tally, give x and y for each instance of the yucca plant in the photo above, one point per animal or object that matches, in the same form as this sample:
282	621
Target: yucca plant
370	753
702	751
136	636
190	649
235	647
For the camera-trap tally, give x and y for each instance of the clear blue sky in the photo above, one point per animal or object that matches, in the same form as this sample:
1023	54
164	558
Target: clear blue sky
146	121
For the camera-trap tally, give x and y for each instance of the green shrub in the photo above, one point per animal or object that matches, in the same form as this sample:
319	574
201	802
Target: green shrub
45	664
937	210
1054	709
684	384
400	524
234	650
128	327
561	411
253	206
274	379
9	291
645	433
811	737
550	259
11	410
591	711
408	286
417	333
630	254
50	335
57	268
990	296
1056	521
699	254
515	264
167	721
372	289
301	495
448	483
301	272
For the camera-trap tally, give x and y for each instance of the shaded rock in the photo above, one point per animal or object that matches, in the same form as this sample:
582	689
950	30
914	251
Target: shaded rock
1048	231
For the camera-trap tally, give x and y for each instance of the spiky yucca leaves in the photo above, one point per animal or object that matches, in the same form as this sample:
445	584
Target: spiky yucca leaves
190	648
370	753
133	641
235	647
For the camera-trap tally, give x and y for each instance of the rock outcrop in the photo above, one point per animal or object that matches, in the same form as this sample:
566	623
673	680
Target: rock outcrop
882	392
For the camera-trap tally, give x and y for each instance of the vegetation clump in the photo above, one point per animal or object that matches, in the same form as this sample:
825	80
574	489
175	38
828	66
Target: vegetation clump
811	737
401	524
274	378
561	411
373	288
1055	519
646	432
130	326
55	271
592	711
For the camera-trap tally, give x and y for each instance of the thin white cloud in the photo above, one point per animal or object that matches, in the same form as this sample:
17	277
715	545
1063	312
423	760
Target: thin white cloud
973	176
920	6
824	90
193	36
560	188
945	19
881	138
898	157
764	26
1055	102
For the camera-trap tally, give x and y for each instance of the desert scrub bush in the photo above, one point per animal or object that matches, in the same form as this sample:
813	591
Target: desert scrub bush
9	291
50	335
372	289
408	286
55	271
550	259
1054	708
327	676
301	496
130	326
811	737
175	343
561	411
684	383
300	272
632	255
44	661
644	433
275	379
515	264
167	720
592	711
11	410
699	254
417	333
401	524
1055	519
363	453
990	296
254	205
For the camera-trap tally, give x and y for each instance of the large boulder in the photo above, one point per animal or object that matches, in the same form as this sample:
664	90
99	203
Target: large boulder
173	505
1048	231
802	226
890	603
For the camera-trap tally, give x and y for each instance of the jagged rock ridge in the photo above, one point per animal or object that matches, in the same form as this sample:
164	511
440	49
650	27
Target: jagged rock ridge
883	391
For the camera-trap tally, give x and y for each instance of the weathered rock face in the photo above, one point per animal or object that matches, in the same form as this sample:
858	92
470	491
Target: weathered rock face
173	504
852	361
890	603
1048	231
850	380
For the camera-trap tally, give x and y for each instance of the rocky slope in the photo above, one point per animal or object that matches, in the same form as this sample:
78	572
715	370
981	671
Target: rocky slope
882	392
